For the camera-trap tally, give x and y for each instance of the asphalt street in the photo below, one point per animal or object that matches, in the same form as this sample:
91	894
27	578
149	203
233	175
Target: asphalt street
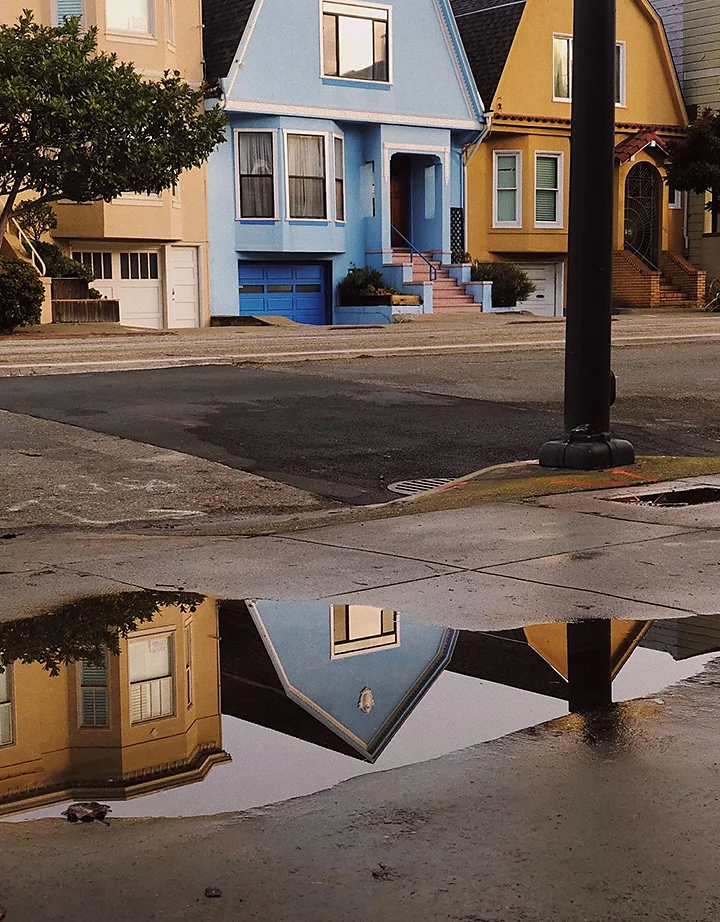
347	429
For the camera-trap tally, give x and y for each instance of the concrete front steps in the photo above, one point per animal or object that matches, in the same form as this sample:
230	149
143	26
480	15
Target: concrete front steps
449	296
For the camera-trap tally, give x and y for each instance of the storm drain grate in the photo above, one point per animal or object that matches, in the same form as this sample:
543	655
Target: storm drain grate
697	496
422	485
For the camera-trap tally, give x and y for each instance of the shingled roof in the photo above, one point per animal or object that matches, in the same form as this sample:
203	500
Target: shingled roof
487	28
224	22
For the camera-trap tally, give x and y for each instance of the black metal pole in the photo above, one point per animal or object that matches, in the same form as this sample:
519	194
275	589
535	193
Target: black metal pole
589	668
587	443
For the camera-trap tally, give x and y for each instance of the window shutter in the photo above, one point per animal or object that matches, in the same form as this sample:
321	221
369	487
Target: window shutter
546	186
94	707
547	173
68	8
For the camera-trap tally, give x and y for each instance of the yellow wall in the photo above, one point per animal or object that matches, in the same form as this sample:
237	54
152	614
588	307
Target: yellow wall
526	90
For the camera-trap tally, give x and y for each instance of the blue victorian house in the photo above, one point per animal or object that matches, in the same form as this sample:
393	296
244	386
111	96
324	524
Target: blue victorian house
350	124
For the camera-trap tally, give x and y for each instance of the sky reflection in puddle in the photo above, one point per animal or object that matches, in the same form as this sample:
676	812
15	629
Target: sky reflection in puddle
189	706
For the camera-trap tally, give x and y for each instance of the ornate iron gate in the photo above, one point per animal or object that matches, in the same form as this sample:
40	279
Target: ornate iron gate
642	212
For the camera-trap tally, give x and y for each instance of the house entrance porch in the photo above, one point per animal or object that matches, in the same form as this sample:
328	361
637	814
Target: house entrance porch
416	202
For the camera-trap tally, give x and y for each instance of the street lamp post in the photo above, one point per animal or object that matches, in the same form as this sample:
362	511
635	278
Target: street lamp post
587	443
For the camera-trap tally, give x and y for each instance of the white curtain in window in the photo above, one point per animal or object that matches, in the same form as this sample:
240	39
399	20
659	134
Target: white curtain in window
562	67
128	15
306	175
257	186
149	659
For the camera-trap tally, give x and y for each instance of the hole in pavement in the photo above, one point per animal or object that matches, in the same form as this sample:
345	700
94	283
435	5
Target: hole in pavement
695	496
142	705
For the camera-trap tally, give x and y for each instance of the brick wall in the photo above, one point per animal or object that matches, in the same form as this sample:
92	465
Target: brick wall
684	276
634	284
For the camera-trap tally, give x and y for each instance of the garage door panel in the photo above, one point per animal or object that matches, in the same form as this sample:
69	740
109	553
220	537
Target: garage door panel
296	291
543	301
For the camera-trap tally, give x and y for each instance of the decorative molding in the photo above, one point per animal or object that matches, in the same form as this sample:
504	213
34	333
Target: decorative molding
393	147
242	47
453	50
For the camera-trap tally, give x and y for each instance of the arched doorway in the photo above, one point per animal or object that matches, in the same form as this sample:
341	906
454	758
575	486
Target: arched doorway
642	212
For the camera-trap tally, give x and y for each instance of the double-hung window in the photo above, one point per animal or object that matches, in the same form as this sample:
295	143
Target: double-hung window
134	16
64	9
256	174
93	694
339	161
563	66
507	187
548	190
6	717
356	41
307	176
152	686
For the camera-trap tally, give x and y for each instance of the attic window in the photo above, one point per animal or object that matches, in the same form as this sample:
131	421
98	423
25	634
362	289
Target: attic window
355	41
563	66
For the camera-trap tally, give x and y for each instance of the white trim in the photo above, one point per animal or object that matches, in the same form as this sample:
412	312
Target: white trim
675	198
318	134
559	222
352	80
240	53
395	147
518	222
622	102
391	118
343	220
236	163
453	54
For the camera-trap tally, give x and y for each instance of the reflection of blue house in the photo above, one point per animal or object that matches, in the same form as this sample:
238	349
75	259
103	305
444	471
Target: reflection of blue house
354	669
347	119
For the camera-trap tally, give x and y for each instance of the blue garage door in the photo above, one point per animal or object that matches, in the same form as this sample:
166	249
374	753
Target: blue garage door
283	289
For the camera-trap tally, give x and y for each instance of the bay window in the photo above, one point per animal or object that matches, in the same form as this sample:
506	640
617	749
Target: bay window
548	190
307	172
256	174
6	717
507	206
339	158
152	686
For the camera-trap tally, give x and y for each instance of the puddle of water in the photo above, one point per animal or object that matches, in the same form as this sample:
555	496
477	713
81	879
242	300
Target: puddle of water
696	496
171	704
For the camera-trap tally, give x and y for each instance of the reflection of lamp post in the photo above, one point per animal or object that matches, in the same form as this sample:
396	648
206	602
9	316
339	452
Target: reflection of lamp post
589	665
587	444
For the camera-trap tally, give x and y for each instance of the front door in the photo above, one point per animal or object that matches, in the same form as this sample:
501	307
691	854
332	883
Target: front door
642	213
400	186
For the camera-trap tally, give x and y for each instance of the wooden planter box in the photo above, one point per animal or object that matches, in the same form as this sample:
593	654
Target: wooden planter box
87	310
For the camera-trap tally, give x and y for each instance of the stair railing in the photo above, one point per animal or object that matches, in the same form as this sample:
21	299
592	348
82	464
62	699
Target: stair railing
415	252
35	257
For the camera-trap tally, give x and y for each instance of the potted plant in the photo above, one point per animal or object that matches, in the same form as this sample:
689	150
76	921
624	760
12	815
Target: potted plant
364	287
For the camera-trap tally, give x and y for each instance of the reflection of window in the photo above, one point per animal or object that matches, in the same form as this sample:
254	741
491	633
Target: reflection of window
306	176
93	694
6	721
152	690
355	41
100	263
548	198
256	173
64	9
360	628
339	148
139	266
507	184
188	664
563	65
129	16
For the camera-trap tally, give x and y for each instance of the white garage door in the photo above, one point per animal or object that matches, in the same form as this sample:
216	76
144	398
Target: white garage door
546	300
133	277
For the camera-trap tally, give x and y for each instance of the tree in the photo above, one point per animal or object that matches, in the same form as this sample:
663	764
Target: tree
76	124
37	219
695	159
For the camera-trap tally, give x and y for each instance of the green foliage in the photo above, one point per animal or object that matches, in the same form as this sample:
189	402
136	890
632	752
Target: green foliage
59	266
695	159
37	219
77	124
84	629
460	257
362	282
21	294
510	283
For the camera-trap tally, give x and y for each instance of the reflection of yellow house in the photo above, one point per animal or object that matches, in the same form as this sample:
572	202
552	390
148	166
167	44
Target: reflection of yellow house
144	721
147	251
521	56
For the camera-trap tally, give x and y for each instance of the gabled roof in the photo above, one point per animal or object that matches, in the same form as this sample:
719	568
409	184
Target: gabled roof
487	28
631	146
224	24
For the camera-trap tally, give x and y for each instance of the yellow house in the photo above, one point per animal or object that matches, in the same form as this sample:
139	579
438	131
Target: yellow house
144	721
149	252
521	56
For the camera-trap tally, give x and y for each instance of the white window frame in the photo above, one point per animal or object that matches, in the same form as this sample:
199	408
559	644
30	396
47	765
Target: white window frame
343	220
622	45
675	198
518	222
170	22
144	636
328	190
10	704
351	80
559	223
276	188
130	34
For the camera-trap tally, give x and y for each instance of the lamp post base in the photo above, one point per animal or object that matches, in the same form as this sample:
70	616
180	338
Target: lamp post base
587	452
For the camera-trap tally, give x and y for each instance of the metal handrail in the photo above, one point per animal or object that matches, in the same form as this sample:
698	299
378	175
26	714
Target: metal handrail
35	257
413	250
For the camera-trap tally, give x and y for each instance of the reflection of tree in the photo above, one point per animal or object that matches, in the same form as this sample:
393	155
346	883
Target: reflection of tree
84	629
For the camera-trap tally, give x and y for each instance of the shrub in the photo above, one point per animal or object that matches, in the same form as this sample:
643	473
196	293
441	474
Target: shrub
510	283
21	294
461	257
59	266
361	283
